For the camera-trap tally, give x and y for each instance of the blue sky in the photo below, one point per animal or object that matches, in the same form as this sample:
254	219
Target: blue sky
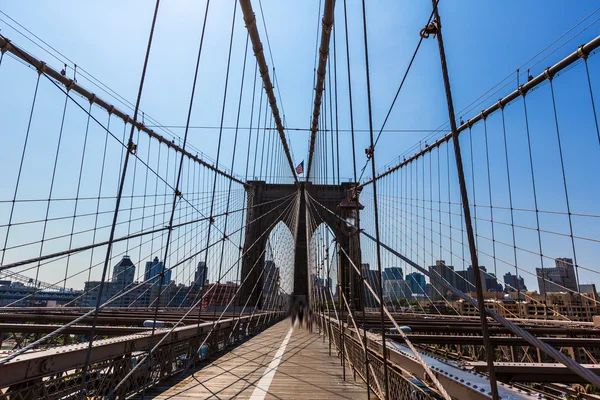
485	43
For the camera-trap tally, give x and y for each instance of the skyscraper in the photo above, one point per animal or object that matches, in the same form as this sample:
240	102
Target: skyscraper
373	279
396	289
512	283
471	287
201	275
416	282
153	270
558	279
491	283
462	281
392	273
124	271
393	283
271	278
445	272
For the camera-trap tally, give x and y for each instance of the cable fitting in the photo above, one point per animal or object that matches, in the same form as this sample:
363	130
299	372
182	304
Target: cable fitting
369	152
250	23
326	27
92	99
178	194
70	85
500	104
548	74
431	29
522	90
212	220
131	147
4	48
42	68
581	53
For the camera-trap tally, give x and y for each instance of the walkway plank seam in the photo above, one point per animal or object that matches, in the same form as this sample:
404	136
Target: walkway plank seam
306	371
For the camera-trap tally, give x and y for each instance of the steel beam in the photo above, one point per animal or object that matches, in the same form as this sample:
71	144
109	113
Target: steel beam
250	20
535	372
102	330
34	365
328	14
497	340
71	85
448	373
582	51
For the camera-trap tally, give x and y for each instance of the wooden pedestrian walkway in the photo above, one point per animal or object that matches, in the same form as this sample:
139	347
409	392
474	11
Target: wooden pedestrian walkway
279	363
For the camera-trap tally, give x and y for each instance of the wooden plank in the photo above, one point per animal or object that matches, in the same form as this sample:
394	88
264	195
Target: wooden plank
306	371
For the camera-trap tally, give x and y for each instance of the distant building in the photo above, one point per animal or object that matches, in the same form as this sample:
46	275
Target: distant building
558	279
589	290
129	294
271	278
393	284
492	284
462	281
124	272
392	273
445	272
137	295
153	271
416	283
201	275
176	295
396	289
512	283
471	287
558	306
19	295
373	279
220	294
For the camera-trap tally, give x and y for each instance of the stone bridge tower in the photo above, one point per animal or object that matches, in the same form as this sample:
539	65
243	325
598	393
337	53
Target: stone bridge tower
336	198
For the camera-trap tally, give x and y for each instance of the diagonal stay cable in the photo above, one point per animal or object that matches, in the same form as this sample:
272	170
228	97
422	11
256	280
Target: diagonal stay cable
549	350
196	303
398	91
68	325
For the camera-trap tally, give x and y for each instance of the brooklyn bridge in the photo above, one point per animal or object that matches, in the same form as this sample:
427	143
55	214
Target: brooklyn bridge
242	252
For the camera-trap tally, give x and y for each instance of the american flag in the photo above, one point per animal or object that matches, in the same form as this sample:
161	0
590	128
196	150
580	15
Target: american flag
300	168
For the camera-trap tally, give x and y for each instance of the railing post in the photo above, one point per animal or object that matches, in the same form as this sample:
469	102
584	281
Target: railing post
437	29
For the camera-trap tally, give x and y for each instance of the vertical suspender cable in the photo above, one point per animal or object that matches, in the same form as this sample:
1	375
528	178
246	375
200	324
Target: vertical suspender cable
376	211
130	149
177	194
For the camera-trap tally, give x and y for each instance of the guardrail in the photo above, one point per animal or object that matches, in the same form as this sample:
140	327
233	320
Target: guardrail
56	373
349	345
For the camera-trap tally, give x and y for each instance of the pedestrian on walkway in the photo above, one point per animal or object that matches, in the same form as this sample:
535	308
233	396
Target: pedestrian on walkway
293	315
301	314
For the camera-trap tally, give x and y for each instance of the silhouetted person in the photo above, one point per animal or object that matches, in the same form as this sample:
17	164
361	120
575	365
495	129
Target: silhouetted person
293	315
301	314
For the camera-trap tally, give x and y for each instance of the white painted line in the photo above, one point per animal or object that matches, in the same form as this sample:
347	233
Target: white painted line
262	388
